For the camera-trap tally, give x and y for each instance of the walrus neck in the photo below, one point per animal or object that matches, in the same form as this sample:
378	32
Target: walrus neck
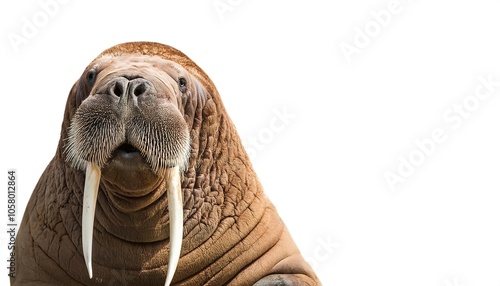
135	219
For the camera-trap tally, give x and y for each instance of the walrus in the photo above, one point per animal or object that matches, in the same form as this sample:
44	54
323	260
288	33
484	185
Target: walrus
150	185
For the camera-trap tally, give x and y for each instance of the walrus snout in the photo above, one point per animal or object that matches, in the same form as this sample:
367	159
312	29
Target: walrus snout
127	108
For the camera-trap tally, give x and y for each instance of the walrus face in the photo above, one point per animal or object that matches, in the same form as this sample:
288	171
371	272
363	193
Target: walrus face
128	126
131	119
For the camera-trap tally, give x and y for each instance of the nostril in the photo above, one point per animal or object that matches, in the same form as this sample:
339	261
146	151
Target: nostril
139	89
117	89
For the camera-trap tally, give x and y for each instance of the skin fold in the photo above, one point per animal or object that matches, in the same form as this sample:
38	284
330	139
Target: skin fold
140	111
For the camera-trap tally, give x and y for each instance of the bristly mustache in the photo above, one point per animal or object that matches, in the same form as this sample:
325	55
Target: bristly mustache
96	131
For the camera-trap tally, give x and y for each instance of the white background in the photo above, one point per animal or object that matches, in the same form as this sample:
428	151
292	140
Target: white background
352	120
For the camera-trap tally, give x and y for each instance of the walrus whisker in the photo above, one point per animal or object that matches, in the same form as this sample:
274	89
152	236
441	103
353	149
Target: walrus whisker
92	178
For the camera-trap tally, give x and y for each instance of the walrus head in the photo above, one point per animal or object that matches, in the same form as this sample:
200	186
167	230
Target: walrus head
128	133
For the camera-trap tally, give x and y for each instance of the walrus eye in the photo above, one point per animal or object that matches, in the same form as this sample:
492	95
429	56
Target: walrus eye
91	76
182	84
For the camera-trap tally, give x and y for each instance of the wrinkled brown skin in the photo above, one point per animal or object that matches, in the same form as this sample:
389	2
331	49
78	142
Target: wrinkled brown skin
232	233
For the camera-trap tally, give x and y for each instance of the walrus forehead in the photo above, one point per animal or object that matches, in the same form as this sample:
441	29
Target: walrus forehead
137	66
159	71
137	60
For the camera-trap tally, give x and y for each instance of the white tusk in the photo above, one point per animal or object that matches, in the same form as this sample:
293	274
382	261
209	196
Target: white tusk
92	178
175	208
